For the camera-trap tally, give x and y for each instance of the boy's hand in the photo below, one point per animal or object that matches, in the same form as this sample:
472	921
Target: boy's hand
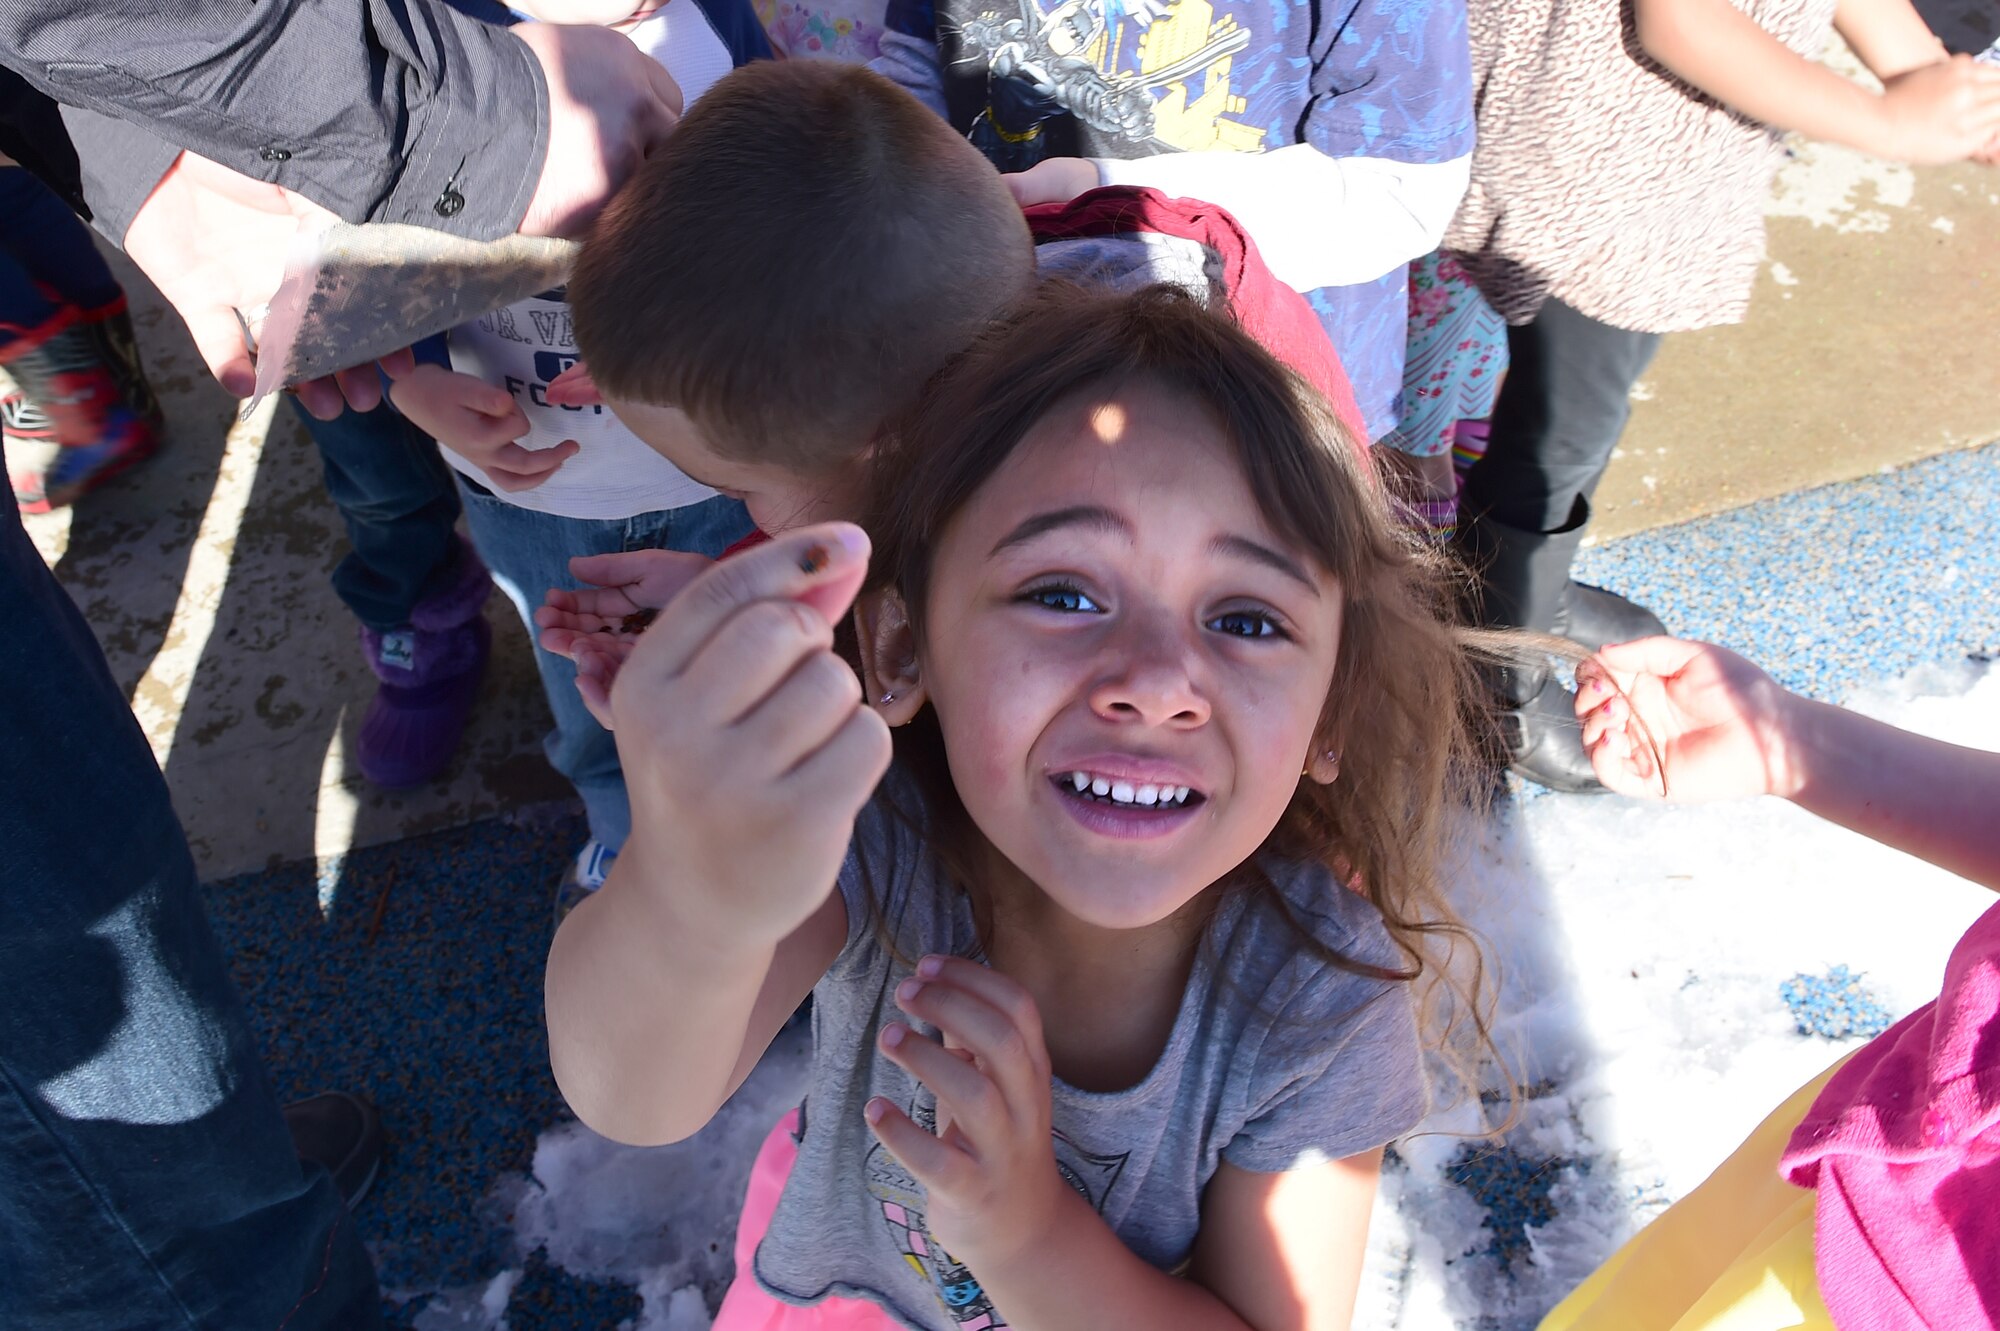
596	626
574	388
746	749
1942	112
479	422
1053	180
1717	725
990	1168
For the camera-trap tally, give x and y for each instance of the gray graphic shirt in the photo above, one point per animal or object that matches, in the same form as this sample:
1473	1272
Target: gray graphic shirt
1277	1060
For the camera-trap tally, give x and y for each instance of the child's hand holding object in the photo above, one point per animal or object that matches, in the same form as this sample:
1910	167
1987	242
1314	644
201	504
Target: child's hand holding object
745	744
597	625
479	422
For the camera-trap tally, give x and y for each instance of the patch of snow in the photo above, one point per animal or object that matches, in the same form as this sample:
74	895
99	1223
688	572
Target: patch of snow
470	1307
1782	275
1641	949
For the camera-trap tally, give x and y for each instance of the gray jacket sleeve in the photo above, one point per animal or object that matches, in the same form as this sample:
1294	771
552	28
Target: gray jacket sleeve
380	110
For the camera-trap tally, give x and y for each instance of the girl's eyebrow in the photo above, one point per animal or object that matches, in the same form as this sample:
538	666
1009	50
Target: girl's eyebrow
1104	520
1245	548
1080	515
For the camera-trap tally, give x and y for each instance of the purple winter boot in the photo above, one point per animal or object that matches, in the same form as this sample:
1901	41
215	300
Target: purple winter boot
429	671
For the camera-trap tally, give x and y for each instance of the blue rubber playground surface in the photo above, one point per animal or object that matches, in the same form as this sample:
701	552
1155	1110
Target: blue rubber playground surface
413	971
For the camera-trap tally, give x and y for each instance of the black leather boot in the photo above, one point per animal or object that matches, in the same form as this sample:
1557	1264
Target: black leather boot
1597	618
1524	583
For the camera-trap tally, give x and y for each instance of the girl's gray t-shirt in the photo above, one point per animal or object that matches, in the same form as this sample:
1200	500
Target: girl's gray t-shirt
1277	1060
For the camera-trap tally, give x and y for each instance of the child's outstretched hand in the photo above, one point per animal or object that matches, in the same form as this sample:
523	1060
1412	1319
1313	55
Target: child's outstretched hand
746	748
479	422
597	625
990	1168
1709	724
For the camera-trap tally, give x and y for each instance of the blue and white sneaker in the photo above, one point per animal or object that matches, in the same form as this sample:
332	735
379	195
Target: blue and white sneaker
593	865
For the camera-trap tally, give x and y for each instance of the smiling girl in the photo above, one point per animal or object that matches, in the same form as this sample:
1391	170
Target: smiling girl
1112	978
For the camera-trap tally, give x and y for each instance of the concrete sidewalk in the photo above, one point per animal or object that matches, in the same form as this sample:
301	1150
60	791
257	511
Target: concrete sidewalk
1874	340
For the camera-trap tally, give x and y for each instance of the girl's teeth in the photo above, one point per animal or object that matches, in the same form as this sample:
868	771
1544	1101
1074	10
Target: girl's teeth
1126	792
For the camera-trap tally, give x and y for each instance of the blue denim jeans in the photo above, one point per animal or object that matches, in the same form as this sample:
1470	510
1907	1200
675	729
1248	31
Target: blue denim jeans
529	553
396	497
146	1176
46	256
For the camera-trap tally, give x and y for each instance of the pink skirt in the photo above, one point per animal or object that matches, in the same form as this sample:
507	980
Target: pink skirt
746	1307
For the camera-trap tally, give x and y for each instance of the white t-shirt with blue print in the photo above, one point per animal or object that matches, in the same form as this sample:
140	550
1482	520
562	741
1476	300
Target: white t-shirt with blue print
524	346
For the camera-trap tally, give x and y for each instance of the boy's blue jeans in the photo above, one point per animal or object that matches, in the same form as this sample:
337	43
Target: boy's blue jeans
529	553
146	1177
396	498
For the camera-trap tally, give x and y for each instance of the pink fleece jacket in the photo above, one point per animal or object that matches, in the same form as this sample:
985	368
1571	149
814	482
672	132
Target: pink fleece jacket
1903	1148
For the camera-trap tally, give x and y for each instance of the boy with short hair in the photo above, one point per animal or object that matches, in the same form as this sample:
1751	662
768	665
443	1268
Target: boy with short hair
813	244
576	482
808	248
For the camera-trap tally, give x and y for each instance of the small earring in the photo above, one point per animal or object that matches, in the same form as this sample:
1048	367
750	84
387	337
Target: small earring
1332	757
888	698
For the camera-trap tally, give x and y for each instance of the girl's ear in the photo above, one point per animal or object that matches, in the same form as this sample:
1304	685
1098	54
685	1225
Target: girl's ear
889	671
1323	764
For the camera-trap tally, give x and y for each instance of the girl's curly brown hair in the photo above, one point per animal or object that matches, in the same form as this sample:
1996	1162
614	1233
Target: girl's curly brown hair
1405	703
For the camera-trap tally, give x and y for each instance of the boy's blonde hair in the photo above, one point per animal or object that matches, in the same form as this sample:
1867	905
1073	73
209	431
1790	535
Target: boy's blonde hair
808	248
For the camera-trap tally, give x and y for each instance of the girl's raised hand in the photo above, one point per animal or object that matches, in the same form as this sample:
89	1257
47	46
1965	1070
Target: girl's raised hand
990	1167
746	749
1709	724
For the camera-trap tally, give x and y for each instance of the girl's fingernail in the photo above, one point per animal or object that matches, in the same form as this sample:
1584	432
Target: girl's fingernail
931	967
892	1035
908	990
852	539
874	1109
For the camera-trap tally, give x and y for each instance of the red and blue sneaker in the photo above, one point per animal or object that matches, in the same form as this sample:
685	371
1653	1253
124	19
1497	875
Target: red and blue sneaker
80	386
